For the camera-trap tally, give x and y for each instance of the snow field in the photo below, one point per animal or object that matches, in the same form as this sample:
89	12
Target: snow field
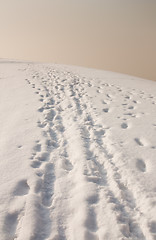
88	148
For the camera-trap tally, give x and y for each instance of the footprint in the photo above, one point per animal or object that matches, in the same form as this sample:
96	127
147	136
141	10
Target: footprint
35	164
41	125
138	141
124	125
48	185
43	156
67	165
127	97
21	188
10	225
152	226
90	222
140	164
41	109
50	115
93	199
104	102
90	236
99	133
39	173
128	114
130	107
37	148
153	147
94	179
19	146
106	110
51	101
60	127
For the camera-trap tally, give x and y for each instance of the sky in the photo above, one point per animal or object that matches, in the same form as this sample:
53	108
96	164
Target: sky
114	35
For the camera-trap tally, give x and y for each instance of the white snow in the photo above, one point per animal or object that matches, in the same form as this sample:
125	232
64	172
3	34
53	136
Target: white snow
77	154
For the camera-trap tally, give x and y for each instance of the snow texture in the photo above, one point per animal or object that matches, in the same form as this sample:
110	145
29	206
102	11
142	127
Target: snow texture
77	154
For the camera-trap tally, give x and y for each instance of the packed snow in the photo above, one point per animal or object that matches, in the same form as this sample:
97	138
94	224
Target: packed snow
77	154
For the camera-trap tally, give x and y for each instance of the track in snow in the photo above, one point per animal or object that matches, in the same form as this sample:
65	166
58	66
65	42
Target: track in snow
80	189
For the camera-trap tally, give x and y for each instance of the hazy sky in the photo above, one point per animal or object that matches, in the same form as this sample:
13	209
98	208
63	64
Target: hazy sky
116	35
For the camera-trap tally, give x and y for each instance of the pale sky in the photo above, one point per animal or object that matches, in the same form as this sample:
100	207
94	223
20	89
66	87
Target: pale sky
115	35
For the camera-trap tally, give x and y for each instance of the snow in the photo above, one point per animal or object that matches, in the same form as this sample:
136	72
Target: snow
77	154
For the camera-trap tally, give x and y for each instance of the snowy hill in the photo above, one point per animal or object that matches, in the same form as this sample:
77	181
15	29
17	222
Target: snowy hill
77	154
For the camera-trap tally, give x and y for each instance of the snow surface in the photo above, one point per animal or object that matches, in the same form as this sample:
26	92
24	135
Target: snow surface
77	154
